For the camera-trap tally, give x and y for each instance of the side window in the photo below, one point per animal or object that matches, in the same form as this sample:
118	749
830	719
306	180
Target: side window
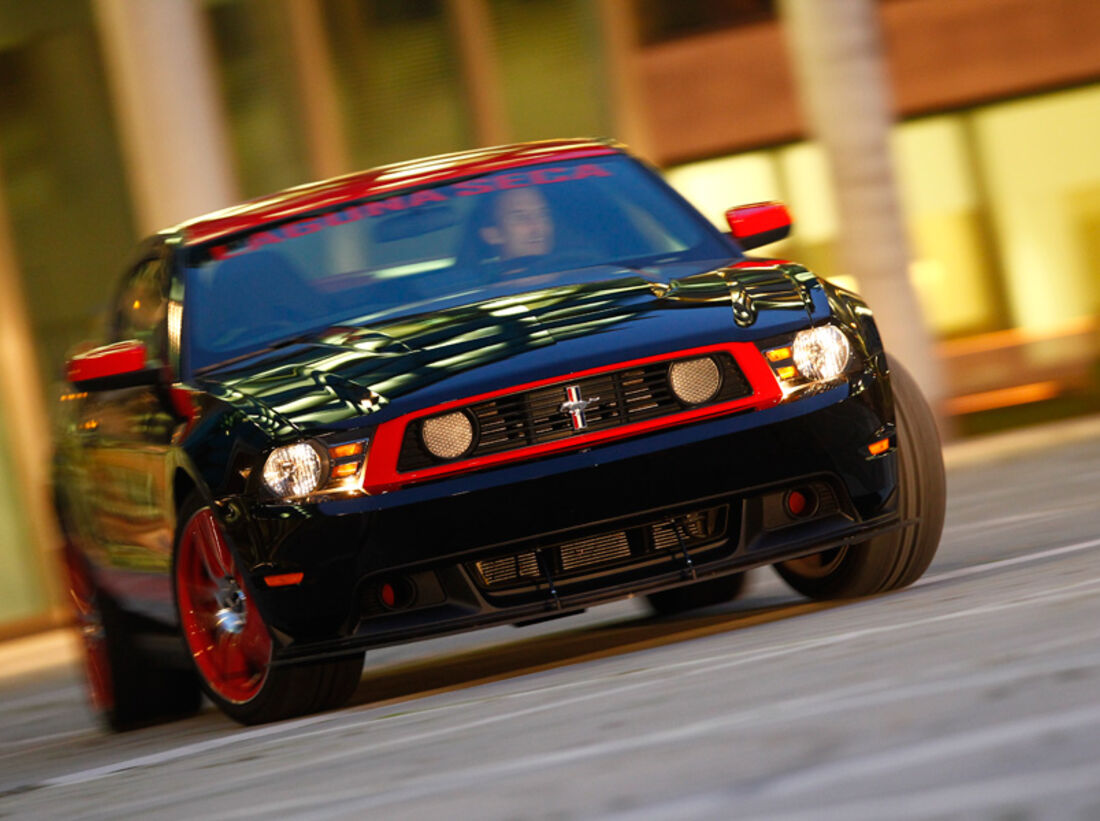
141	307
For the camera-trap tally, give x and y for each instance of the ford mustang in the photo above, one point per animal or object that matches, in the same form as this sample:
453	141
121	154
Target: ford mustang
485	388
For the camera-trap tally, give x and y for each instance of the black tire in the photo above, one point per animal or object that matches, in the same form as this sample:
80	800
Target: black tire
262	692
897	559
128	687
697	595
296	690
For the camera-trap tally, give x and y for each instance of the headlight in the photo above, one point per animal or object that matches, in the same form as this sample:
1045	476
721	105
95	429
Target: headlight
821	354
294	470
695	381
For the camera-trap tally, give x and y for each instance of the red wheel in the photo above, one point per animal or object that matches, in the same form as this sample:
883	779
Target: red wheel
89	620
223	628
229	642
127	686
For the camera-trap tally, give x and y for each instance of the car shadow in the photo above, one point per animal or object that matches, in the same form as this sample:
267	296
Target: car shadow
495	662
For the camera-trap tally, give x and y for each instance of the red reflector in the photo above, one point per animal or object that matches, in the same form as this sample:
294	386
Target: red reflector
796	503
388	595
878	447
283	579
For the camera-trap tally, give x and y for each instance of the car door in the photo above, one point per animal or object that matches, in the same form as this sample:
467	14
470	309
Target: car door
125	436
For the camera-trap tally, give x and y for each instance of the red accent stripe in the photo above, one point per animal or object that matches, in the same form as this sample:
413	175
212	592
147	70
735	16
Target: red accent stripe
382	474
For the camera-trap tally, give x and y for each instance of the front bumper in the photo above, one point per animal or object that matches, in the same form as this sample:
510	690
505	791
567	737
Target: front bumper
573	531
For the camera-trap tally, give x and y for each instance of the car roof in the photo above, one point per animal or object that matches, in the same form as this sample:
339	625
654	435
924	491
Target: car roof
307	198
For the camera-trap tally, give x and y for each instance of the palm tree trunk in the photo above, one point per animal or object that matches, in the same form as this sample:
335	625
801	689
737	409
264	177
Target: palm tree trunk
836	53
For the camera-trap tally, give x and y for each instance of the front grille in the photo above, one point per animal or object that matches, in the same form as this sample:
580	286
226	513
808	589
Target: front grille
535	417
598	550
495	572
604	550
693	527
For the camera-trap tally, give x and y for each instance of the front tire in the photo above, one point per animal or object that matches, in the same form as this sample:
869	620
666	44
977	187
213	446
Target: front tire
228	640
896	559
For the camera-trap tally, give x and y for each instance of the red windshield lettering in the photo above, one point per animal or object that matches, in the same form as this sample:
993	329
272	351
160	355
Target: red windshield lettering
220	252
380	207
590	170
300	229
427	195
506	181
471	187
259	240
541	176
401	202
340	217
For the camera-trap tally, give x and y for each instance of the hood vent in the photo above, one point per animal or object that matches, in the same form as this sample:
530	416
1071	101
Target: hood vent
756	289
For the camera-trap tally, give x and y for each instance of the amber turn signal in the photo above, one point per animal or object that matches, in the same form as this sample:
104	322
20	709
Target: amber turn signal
879	447
343	451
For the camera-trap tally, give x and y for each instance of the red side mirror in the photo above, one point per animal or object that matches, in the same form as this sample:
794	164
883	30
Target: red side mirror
120	365
758	224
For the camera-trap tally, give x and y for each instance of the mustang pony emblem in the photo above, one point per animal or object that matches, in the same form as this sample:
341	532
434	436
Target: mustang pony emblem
575	406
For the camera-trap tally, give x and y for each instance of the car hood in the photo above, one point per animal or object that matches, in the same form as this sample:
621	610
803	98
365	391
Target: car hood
395	365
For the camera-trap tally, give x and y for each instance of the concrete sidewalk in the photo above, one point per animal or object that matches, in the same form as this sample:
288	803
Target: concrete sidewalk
39	653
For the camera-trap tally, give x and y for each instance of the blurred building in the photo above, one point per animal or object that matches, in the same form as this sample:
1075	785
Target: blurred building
118	117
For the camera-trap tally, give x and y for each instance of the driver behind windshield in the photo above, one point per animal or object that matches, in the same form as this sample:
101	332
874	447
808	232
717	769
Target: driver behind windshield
522	225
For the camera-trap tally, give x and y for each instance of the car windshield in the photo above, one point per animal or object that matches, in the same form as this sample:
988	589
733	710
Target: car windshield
433	247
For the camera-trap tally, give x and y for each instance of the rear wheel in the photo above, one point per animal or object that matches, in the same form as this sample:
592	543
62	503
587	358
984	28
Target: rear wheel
126	686
700	594
897	559
229	641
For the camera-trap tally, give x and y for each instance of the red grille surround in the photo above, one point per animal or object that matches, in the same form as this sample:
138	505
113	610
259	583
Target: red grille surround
383	475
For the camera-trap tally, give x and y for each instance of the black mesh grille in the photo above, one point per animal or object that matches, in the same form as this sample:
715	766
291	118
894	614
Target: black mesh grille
535	417
614	548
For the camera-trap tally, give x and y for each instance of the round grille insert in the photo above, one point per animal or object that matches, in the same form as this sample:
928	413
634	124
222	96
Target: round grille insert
447	436
695	381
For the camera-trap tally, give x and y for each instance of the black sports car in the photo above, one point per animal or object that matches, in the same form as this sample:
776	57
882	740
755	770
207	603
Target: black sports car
483	388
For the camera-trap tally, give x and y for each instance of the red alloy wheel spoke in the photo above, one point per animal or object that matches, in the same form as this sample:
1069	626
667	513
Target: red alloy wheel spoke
234	664
255	642
204	592
213	550
226	656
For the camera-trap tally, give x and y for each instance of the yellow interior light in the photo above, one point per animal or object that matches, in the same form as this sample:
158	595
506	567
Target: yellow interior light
343	451
787	372
778	354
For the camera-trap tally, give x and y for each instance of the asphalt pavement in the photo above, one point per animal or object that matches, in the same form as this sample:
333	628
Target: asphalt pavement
973	694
